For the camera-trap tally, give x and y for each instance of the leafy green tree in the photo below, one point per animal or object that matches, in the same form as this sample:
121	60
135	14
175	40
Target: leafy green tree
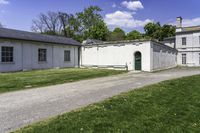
117	35
99	31
167	31
89	20
134	35
156	31
153	30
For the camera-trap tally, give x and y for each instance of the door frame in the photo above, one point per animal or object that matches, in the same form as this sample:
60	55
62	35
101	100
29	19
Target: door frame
135	60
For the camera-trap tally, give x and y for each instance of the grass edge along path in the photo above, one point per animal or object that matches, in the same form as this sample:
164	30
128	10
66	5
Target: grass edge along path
39	78
169	106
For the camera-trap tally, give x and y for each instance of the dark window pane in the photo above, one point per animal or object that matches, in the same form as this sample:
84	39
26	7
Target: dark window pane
6	54
67	55
42	55
184	41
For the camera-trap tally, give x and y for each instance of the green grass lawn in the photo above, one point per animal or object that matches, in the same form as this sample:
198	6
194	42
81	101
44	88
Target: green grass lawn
170	106
37	78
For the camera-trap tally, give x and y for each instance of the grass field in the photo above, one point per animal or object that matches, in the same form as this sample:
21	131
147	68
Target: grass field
168	107
38	78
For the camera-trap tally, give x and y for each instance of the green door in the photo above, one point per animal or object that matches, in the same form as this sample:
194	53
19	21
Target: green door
138	61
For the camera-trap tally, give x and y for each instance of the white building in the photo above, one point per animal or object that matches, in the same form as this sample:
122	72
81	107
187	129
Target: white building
187	44
21	50
146	55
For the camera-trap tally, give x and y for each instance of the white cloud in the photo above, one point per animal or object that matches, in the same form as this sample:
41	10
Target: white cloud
133	5
114	5
189	22
4	2
124	19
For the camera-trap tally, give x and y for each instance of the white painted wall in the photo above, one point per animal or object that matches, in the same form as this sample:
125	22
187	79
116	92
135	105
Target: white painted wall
123	53
26	56
116	54
163	57
191	49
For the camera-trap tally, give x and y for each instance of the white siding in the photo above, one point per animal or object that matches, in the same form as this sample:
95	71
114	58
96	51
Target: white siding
116	54
122	54
26	56
191	49
163	57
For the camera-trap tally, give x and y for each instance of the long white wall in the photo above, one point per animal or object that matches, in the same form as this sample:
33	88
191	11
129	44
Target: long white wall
155	56
163	56
26	56
116	54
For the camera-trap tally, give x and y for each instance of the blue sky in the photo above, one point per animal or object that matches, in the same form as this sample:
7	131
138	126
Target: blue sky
127	14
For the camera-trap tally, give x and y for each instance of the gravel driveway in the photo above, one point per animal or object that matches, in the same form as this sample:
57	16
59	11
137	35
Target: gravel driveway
18	109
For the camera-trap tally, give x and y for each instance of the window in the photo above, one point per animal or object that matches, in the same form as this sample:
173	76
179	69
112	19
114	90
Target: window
199	58
6	54
184	59
42	55
184	41
199	39
67	55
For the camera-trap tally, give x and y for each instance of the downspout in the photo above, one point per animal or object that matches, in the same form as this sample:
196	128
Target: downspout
22	45
79	56
52	56
74	57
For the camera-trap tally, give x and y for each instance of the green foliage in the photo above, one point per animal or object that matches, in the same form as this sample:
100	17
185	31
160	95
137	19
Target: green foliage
156	31
134	35
170	107
99	31
167	31
26	80
83	25
90	17
153	30
92	24
117	35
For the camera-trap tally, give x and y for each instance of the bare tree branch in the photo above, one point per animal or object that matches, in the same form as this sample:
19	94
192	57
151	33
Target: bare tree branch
47	23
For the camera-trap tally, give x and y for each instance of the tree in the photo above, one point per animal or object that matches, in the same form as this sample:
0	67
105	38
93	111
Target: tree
156	31
134	35
47	23
88	19
69	24
153	30
99	31
167	31
82	25
117	35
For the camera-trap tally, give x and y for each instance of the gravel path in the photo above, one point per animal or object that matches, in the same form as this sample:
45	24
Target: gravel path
18	109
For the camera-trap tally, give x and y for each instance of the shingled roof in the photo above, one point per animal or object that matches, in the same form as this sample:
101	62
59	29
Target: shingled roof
30	36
